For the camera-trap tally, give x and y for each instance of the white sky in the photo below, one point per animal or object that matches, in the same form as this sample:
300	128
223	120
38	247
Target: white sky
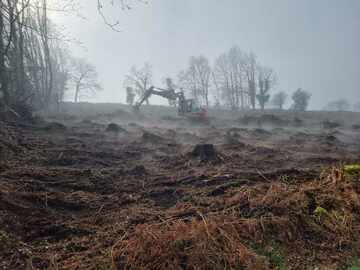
311	44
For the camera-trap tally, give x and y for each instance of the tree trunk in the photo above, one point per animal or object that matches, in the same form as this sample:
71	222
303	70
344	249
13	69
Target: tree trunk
20	59
48	64
76	99
3	77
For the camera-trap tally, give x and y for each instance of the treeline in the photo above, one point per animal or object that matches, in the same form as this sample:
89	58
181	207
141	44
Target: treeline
235	80
35	66
32	68
342	104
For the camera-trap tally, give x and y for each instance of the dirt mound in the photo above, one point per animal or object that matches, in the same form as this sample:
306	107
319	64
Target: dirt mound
270	119
297	122
187	137
265	119
88	122
327	124
329	139
115	128
260	132
170	118
152	138
119	114
232	137
249	120
138	170
132	124
55	127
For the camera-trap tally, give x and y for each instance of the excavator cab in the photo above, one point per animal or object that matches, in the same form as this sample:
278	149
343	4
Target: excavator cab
191	109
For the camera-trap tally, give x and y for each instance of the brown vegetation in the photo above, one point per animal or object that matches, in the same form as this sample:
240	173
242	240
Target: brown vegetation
79	197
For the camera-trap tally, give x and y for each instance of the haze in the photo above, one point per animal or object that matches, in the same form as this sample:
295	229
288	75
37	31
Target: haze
310	44
251	161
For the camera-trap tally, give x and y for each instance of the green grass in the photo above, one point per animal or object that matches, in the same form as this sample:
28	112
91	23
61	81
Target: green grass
353	169
355	264
273	254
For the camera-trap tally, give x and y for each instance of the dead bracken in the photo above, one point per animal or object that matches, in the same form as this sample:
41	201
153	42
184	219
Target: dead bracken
222	198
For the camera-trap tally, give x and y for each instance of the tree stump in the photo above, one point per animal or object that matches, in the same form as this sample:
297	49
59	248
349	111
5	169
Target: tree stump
205	152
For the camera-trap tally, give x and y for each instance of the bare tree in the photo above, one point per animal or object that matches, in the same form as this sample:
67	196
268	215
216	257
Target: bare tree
140	79
85	78
250	72
266	80
279	100
196	78
229	79
32	75
124	5
60	73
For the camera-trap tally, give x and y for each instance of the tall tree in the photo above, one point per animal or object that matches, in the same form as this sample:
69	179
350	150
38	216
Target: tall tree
250	72
84	77
60	62
228	76
196	78
266	80
30	68
140	79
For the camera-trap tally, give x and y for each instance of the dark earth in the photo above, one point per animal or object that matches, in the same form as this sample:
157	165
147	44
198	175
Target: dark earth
75	189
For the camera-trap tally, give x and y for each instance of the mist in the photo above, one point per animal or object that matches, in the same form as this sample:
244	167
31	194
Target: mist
310	44
179	134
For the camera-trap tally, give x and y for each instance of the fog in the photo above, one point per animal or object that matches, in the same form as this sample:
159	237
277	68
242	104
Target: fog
310	44
252	161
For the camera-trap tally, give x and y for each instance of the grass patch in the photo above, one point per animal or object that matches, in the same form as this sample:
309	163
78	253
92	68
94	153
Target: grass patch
355	264
272	253
353	169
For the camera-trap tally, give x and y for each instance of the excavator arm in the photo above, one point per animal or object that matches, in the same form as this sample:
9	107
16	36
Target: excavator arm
168	94
186	107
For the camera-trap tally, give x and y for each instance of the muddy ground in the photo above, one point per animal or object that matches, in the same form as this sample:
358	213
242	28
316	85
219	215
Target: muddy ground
74	191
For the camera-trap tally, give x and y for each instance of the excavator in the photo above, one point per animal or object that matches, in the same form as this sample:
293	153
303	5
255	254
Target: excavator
186	107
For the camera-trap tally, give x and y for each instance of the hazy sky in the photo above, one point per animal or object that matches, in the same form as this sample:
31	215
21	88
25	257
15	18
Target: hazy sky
312	44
